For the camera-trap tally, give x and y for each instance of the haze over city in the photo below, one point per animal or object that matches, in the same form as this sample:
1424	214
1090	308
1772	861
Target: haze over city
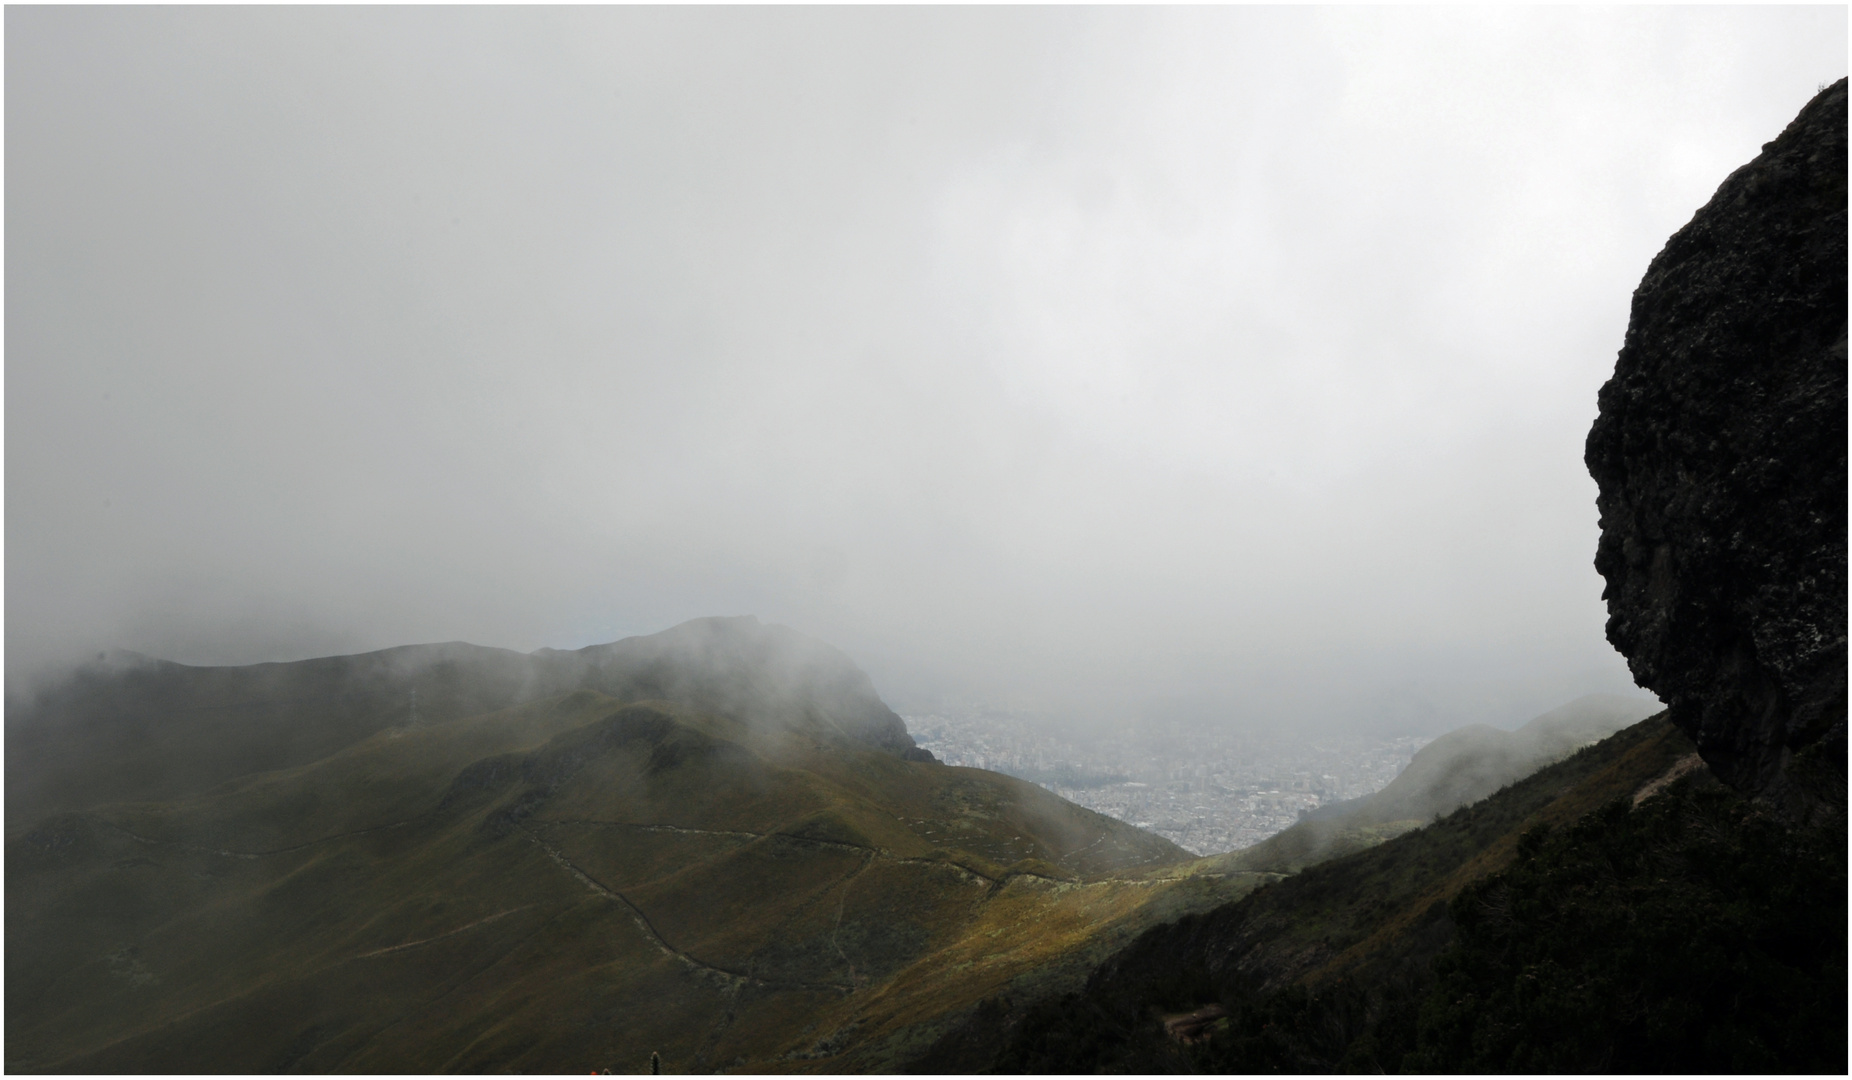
1228	367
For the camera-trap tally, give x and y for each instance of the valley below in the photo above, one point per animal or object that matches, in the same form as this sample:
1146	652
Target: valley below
1205	791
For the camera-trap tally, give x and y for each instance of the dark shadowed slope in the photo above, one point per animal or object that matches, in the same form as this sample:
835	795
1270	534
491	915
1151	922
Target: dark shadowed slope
1567	924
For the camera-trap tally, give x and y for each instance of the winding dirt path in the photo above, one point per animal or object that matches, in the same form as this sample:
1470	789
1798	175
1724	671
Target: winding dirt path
734	980
807	841
842	902
445	934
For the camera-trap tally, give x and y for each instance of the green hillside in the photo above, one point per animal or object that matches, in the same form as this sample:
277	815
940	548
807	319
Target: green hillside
1617	911
1457	769
755	876
718	845
133	728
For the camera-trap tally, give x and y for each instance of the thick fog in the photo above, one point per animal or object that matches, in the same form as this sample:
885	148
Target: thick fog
1229	365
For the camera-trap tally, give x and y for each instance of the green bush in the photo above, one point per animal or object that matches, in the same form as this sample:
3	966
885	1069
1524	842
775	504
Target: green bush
1694	934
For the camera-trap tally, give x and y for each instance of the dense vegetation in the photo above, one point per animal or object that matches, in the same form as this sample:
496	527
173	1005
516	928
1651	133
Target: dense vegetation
1691	934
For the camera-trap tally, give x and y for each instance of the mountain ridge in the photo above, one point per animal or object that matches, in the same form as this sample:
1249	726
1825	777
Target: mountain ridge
97	731
756	875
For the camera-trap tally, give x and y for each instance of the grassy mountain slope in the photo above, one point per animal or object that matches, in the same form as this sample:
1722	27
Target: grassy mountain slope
570	883
136	729
715	843
1352	931
1466	765
1459	768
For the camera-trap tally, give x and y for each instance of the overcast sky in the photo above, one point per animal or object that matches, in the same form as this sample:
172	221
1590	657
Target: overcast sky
1226	364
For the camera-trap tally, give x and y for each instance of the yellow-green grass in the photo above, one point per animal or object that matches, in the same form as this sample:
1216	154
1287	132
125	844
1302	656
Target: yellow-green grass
570	884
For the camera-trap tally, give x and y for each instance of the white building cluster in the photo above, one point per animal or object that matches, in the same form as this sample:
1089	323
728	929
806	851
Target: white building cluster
1206	791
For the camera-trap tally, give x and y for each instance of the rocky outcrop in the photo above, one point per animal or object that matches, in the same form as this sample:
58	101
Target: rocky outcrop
1720	452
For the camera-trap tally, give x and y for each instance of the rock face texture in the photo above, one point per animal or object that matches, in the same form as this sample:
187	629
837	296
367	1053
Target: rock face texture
1720	451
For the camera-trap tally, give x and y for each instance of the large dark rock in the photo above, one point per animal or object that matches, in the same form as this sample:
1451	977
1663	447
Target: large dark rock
1720	451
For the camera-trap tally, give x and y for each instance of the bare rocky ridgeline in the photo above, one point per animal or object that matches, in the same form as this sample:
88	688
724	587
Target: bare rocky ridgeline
1720	451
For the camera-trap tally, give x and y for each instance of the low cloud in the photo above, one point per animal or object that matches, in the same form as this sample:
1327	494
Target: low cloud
1223	363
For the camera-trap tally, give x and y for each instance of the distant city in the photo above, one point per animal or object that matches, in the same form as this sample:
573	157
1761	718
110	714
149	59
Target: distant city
1207	792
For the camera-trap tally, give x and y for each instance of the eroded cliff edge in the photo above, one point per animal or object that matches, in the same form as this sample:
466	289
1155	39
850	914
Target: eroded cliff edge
1720	452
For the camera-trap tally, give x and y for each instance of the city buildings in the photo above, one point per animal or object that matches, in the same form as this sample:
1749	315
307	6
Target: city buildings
1207	791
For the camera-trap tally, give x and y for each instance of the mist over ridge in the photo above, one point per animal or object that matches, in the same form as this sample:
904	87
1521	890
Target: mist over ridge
949	540
1217	366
